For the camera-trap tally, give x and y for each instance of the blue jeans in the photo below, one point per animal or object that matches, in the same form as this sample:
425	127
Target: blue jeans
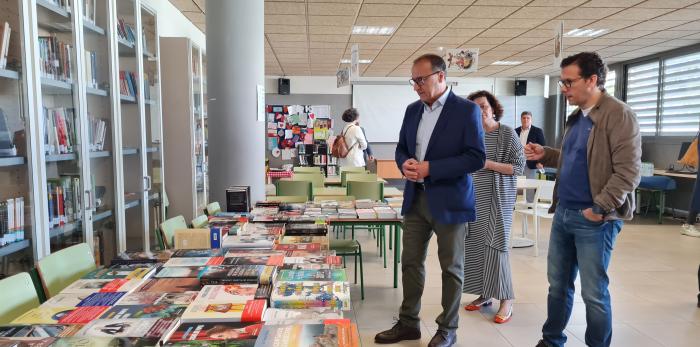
577	244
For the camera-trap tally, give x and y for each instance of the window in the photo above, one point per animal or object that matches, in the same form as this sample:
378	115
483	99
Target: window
609	87
680	101
643	94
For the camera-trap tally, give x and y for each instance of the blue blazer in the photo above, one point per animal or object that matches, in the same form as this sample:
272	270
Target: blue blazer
455	150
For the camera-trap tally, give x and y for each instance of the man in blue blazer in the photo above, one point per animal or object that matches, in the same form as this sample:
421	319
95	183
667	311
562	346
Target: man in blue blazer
440	144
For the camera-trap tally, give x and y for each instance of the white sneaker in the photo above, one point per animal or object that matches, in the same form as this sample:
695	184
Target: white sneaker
690	230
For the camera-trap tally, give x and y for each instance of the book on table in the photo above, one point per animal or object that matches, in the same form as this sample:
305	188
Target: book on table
221	274
312	262
273	260
300	295
312	275
144	311
277	316
90	286
225	311
170	285
39	330
209	331
152	328
65	300
340	333
180	272
92	341
194	261
197	253
101	299
157	298
121	271
43	315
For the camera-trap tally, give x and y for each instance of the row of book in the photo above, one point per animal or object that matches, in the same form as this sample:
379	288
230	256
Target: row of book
126	31
11	221
60	130
97	133
5	32
323	210
55	58
91	69
128	84
64	200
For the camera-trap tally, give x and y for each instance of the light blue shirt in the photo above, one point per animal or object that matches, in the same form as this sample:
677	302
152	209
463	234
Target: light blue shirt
427	124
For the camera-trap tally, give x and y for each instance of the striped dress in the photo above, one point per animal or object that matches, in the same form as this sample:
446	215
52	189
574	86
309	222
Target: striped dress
487	245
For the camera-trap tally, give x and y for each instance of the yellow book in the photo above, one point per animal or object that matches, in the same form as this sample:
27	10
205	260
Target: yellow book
43	315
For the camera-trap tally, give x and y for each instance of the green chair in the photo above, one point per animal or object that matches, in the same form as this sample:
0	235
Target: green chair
316	179
18	295
350	248
288	198
168	228
200	222
352	169
309	169
212	209
60	269
294	188
357	176
366	190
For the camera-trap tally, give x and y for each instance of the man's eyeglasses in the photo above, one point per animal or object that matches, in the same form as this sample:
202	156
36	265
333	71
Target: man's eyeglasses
421	80
568	83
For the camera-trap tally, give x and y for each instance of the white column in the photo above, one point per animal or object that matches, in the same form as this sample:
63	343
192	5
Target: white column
235	68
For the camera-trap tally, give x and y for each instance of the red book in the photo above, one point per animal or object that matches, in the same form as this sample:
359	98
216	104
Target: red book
83	315
298	247
114	286
216	261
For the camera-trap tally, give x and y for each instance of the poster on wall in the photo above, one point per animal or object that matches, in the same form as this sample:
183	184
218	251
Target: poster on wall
342	77
289	125
558	44
462	60
355	63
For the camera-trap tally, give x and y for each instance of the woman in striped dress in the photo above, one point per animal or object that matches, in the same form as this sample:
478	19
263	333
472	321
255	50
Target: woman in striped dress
487	245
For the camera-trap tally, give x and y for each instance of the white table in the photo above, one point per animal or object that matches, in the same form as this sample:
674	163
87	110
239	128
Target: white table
525	184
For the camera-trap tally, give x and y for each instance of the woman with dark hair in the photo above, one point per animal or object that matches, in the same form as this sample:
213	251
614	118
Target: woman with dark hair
487	249
354	138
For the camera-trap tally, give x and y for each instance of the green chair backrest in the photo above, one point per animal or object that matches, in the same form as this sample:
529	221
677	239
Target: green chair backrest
168	229
213	208
18	297
366	190
316	179
352	169
309	169
294	188
288	198
360	177
334	198
60	269
200	221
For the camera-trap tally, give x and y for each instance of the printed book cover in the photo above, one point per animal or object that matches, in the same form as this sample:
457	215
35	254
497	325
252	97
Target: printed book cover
39	330
310	247
340	333
144	311
155	298
170	285
197	253
43	315
65	300
130	327
179	272
276	316
194	261
228	292
312	275
238	274
216	331
274	260
300	295
90	341
240	311
83	315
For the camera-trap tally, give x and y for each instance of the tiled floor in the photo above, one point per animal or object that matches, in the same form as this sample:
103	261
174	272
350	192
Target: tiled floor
653	285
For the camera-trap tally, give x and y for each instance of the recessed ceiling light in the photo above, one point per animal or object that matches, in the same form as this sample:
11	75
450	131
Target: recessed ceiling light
362	61
506	62
585	32
372	30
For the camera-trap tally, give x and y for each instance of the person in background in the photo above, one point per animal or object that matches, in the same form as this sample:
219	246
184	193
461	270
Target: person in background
689	227
354	138
529	133
438	198
487	245
598	171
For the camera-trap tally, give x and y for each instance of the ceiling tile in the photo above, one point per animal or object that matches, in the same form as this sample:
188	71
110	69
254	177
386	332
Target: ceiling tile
185	5
488	11
547	3
408	39
501	2
509	33
628	34
379	21
401	2
639	13
285	8
333	30
518	23
419	22
195	17
666	3
329	38
473	23
611	24
288	19
276	44
327	45
367	46
592	13
284	29
531	12
287	37
685	15
654	25
416	31
331	20
691	26
522	40
668	34
538	33
447	2
448	41
457	32
402	46
325	9
291	50
487	40
385	10
437	11
369	38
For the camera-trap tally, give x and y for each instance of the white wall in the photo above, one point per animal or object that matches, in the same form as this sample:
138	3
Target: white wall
172	23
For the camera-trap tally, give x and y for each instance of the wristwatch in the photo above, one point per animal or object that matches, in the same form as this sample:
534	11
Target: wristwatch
599	210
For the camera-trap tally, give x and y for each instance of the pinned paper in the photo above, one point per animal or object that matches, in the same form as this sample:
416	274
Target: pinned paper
276	152
270	117
281	125
272	125
288	134
296	130
286	154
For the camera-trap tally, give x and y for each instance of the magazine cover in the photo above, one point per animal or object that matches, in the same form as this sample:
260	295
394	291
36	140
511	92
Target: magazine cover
241	311
312	275
83	315
170	285
153	298
194	261
307	335
228	292
276	316
144	311
299	295
101	299
43	315
130	327
275	260
179	271
216	331
197	253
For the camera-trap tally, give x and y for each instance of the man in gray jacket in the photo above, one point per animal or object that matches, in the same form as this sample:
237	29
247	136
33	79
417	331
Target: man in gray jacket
598	170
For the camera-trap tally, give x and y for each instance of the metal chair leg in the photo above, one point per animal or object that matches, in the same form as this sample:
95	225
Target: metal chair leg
362	274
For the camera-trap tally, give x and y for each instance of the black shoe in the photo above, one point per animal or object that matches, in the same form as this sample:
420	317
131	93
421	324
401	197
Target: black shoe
396	334
443	339
541	344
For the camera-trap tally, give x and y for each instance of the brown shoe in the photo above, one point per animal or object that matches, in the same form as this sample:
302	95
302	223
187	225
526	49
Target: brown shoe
396	334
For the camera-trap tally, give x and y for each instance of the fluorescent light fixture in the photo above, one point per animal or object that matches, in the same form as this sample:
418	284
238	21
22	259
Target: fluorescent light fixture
506	62
585	32
362	61
372	30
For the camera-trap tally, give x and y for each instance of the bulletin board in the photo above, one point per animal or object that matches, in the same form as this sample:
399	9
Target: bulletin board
288	125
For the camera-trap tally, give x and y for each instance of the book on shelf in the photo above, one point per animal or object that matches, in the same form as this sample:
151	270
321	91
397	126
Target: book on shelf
55	58
5	32
144	311
157	298
128	83
277	316
312	275
225	311
299	295
91	69
60	130
220	274
11	221
208	331
129	327
64	200
332	332
97	133
64	4
126	31
38	330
